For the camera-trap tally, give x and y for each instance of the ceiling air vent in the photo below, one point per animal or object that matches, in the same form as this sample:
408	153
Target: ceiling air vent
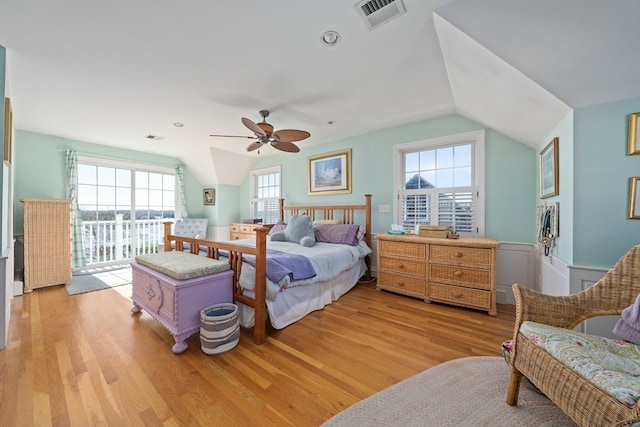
378	12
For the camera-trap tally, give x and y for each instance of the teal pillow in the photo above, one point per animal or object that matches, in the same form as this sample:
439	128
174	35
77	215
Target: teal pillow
299	230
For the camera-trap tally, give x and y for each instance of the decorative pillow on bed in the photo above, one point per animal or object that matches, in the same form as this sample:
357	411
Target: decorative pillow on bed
346	234
326	221
299	230
278	226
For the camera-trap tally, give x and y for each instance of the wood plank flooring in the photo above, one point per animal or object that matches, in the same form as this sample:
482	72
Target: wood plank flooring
85	360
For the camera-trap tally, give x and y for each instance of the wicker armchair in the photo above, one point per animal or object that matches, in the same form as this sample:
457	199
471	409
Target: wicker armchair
583	402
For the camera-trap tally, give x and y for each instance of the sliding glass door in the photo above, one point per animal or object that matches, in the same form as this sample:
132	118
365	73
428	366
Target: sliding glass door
123	210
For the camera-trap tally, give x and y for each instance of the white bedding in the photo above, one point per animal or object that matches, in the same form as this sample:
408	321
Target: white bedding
338	268
328	260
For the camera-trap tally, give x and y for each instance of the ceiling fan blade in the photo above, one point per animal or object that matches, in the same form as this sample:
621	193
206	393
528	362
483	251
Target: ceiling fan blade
234	136
290	135
254	146
285	146
253	127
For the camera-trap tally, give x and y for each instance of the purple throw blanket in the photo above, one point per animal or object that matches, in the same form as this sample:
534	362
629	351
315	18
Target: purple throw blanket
281	264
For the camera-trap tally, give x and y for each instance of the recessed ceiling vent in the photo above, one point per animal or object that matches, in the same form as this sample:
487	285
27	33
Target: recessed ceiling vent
378	12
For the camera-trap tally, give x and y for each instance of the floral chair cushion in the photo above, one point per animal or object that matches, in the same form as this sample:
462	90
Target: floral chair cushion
611	365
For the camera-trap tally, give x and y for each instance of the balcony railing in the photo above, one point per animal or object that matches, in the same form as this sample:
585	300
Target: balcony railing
118	240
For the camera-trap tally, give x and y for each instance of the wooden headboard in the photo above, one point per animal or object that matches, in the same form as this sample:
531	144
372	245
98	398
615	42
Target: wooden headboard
346	214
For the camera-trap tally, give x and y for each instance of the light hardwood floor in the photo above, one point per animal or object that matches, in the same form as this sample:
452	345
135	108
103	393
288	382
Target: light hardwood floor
85	360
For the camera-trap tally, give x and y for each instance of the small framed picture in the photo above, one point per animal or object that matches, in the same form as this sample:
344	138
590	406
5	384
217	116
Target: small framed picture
634	134
634	198
209	196
549	170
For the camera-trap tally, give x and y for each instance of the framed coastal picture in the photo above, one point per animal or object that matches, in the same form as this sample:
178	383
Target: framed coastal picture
549	170
209	196
634	134
330	173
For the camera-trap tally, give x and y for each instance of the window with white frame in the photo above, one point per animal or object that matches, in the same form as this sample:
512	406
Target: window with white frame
440	181
265	194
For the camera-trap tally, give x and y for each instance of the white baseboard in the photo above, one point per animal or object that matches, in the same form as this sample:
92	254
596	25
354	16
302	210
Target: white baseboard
18	288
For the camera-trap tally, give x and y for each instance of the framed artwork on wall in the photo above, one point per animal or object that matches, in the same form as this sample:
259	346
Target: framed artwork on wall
634	134
634	198
548	159
209	196
330	173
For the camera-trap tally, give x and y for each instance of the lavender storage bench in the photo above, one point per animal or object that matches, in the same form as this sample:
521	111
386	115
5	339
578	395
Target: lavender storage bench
174	286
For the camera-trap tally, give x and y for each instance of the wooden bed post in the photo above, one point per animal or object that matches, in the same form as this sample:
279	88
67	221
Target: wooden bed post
281	210
167	231
260	308
367	203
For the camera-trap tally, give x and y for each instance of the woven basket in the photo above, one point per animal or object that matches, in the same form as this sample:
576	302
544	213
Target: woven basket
219	328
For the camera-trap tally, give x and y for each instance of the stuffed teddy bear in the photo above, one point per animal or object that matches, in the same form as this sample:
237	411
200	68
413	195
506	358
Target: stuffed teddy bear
299	230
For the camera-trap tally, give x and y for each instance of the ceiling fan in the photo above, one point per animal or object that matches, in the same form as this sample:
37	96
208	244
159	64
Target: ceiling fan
264	134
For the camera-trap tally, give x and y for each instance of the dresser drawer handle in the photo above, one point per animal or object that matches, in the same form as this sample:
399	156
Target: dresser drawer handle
457	254
401	284
400	266
457	294
457	273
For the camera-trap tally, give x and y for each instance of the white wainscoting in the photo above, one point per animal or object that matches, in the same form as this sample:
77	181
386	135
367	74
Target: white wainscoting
583	278
554	275
218	233
515	263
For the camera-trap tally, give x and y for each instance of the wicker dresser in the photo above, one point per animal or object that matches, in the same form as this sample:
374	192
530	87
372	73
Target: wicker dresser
452	271
47	242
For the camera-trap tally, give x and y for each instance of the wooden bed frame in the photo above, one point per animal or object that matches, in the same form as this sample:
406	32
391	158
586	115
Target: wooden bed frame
345	213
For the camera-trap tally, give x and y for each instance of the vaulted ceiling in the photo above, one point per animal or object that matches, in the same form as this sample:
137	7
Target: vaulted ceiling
115	72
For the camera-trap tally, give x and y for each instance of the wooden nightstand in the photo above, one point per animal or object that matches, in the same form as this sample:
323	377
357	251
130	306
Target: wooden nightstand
452	271
239	230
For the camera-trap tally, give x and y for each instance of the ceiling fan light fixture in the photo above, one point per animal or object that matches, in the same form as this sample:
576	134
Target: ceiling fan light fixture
266	127
330	38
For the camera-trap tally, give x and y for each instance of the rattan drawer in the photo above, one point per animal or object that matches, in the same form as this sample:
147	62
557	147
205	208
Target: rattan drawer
401	284
459	296
405	266
460	255
472	277
402	249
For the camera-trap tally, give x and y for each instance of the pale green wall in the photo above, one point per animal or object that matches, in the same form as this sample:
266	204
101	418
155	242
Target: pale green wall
227	207
602	232
40	170
564	242
509	180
